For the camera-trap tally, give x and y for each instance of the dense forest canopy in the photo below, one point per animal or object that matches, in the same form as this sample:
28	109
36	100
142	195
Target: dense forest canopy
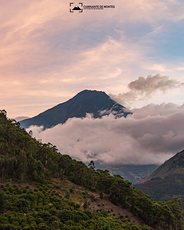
23	159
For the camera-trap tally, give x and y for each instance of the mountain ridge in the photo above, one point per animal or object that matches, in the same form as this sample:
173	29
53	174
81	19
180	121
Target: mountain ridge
167	181
168	168
95	102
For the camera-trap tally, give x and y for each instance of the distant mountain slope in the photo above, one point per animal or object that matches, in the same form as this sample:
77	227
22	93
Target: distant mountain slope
167	181
173	166
133	173
96	102
20	118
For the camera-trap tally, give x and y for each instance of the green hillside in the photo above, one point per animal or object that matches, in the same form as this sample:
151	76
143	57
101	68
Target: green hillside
167	181
43	189
173	166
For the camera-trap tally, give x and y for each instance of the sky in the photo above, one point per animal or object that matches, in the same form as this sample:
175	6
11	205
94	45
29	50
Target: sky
134	52
49	54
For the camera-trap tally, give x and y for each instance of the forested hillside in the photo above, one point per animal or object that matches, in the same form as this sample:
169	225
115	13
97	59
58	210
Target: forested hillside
31	200
167	181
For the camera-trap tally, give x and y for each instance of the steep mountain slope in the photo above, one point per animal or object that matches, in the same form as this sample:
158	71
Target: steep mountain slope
167	181
34	195
173	166
95	102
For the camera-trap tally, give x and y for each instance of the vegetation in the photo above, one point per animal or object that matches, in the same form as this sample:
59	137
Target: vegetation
167	181
30	199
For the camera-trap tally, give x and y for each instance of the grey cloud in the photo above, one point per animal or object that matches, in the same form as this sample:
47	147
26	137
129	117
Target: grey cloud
152	83
144	88
138	139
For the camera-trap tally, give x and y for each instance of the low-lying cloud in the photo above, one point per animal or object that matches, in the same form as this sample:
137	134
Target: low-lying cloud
144	88
151	135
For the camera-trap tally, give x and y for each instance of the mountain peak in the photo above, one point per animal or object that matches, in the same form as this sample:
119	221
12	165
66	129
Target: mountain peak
97	103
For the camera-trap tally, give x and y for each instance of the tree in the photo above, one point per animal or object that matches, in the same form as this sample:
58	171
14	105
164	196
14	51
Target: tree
101	195
86	205
67	194
92	165
22	165
2	203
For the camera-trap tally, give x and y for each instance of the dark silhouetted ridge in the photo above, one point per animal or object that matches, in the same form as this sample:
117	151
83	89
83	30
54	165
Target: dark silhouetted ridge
97	103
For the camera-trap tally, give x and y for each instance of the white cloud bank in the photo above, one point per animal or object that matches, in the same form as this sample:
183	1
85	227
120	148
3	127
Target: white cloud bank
151	135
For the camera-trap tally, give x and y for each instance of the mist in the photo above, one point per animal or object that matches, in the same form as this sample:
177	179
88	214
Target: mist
151	135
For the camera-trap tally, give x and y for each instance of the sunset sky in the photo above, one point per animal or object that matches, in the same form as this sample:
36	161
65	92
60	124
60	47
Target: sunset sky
49	54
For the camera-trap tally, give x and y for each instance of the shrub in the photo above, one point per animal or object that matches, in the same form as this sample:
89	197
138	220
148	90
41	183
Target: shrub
46	188
45	215
77	206
16	223
22	205
43	226
27	228
92	197
46	207
71	190
10	188
23	224
55	225
30	219
39	220
57	186
10	227
3	220
33	224
145	227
